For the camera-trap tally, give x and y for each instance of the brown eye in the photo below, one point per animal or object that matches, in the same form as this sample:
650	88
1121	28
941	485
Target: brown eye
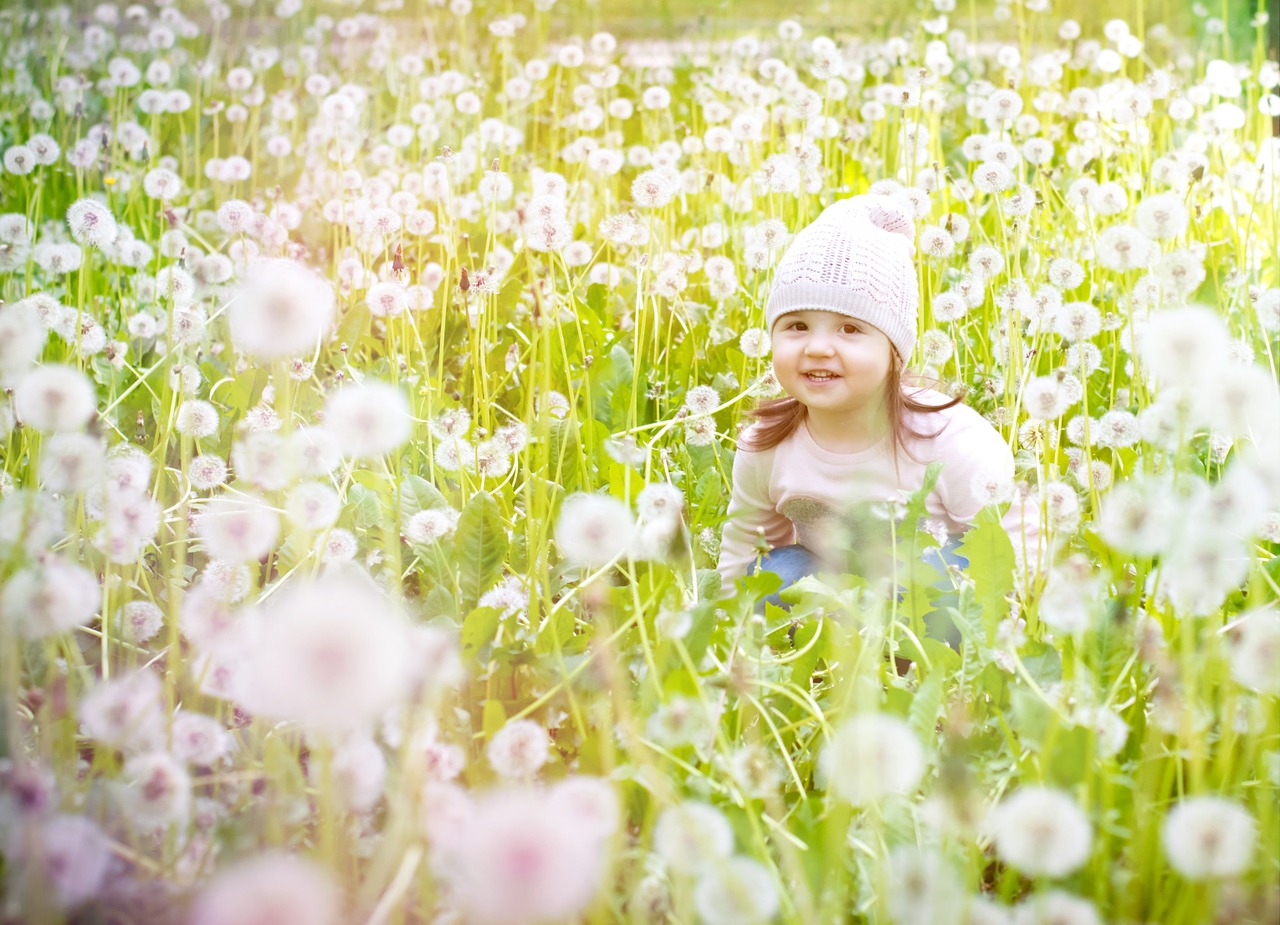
852	328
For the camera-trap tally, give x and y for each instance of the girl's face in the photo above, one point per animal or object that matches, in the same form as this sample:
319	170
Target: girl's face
830	362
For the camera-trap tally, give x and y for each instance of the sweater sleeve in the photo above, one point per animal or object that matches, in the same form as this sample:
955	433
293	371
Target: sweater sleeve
749	510
981	458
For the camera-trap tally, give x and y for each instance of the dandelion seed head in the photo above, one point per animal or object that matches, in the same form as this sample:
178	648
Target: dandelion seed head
593	529
1041	831
1207	836
518	750
92	223
692	835
280	310
369	419
331	653
871	756
273	887
54	399
237	529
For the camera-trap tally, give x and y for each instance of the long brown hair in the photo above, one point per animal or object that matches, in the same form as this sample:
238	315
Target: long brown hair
779	417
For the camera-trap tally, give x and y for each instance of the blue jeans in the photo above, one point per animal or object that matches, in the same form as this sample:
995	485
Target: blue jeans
791	563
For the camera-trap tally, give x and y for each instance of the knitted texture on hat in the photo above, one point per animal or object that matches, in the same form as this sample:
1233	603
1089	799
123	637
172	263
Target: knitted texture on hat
853	259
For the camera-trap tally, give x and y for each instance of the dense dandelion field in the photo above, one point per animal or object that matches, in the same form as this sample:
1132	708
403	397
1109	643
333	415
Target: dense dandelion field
372	381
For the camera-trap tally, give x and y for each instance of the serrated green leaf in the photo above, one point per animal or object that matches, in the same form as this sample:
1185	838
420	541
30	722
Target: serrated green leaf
481	545
354	324
245	391
363	502
990	555
478	631
417	494
925	707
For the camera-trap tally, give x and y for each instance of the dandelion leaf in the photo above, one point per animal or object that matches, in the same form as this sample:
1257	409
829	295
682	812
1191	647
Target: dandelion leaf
480	545
417	494
246	390
354	324
478	632
922	716
709	583
1068	754
990	555
364	505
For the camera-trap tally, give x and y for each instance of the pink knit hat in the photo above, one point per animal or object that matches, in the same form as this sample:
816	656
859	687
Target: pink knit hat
854	259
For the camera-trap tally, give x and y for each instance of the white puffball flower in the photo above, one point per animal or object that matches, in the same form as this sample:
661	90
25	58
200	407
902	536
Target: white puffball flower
1137	516
369	419
196	418
872	755
691	836
157	791
660	501
591	800
738	891
431	525
333	653
22	338
92	223
50	597
520	858
1055	907
281	309
1255	651
518	749
207	471
67	854
237	529
359	772
54	398
1041	831
1185	346
1209	837
313	505
280	888
593	529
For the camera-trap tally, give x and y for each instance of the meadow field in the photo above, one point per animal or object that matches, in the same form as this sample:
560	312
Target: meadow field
372	378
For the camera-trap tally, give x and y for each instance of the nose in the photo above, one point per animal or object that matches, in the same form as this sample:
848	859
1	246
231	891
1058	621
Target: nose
818	344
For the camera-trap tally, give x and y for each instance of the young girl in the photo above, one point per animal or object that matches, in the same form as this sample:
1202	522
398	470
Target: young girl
842	319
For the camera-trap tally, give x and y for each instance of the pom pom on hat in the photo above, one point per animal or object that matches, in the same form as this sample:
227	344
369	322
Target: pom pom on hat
884	212
855	260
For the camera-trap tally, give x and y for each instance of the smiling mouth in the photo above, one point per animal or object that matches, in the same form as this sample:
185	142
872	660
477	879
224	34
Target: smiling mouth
820	376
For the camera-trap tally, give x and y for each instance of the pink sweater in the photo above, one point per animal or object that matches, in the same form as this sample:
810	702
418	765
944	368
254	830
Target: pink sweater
790	490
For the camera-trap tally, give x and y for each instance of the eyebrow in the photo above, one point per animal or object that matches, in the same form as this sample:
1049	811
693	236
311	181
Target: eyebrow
792	317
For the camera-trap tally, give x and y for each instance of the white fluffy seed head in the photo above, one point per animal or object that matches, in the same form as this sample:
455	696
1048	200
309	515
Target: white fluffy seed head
1185	346
332	654
196	418
282	889
207	471
54	399
593	529
692	835
237	529
871	756
1208	837
22	338
50	597
92	223
1041	831
369	419
518	749
281	309
739	890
